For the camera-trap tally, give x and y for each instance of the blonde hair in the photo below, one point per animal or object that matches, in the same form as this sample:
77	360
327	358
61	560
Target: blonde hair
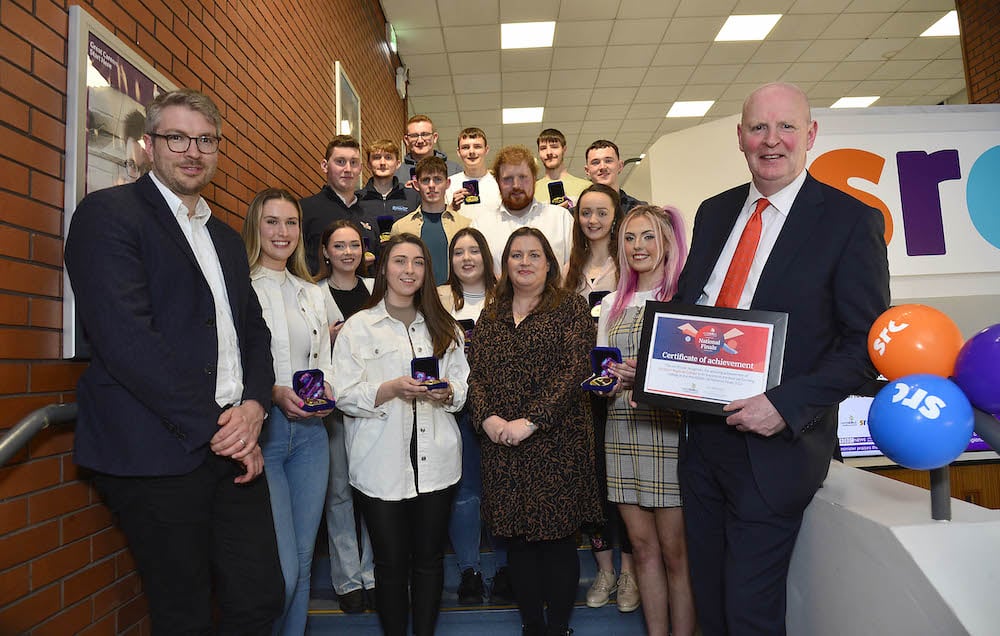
251	232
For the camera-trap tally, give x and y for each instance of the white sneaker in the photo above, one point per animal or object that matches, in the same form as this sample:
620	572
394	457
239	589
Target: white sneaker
628	593
602	589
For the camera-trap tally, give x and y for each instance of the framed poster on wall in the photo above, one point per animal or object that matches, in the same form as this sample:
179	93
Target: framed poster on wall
108	88
348	106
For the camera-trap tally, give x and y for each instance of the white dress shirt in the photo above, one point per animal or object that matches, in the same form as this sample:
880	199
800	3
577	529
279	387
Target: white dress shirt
310	305
555	223
372	348
773	219
489	194
229	366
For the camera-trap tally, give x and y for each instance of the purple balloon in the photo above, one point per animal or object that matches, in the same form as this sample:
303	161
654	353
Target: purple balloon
977	369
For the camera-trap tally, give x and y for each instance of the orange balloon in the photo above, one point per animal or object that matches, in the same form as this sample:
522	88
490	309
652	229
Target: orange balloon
909	339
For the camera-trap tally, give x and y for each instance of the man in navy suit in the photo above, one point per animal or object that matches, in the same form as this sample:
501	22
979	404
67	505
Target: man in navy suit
173	401
818	255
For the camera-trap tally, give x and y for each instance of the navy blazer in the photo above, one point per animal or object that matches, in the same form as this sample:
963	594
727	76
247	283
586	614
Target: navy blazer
829	272
147	400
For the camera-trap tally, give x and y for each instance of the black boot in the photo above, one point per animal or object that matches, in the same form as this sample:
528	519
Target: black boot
533	630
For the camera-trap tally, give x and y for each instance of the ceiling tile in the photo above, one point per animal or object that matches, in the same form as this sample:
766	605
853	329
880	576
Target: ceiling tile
630	138
898	69
480	118
787	51
955	52
828	50
811	6
418	41
697	8
758	7
477	101
874	87
906	25
738	92
478	83
725	108
566	113
929	5
526	81
944	69
594	129
925	49
583	33
630	9
406	14
528	10
714	73
574	97
620	78
632	125
701	92
431	85
693	29
730	52
445	121
573	78
866	6
431	64
472	38
525	59
853	25
674	75
761	73
646	111
464	13
657	94
607	96
915	87
631	55
468	63
951	87
852	70
689	53
523	99
893	101
590	10
648	31
801	26
433	103
577	57
878	49
824	90
807	71
604	112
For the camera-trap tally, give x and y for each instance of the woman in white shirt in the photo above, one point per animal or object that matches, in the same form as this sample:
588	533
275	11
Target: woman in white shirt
470	281
641	443
293	441
403	444
352	570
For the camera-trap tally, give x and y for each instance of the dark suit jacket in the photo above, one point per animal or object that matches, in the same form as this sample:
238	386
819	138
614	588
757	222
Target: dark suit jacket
829	271
147	400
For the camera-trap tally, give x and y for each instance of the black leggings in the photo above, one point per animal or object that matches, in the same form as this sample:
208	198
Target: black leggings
408	544
544	572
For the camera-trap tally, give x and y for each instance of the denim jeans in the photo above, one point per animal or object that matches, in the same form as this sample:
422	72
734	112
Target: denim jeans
351	565
465	526
296	462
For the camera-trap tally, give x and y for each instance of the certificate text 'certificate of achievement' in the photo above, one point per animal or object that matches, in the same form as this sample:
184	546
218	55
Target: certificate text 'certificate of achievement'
701	358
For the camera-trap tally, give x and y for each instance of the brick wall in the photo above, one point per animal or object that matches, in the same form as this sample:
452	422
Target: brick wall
980	33
270	65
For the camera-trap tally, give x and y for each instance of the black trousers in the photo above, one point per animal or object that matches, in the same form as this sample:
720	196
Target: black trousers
544	573
739	549
186	531
408	547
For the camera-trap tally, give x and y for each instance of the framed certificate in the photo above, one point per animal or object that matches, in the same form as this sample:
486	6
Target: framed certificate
700	358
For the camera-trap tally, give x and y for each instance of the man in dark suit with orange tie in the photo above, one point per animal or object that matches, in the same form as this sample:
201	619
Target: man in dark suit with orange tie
173	401
788	243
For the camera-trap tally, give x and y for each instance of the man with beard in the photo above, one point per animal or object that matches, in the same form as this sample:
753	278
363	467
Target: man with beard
552	152
515	171
420	139
338	200
180	379
603	166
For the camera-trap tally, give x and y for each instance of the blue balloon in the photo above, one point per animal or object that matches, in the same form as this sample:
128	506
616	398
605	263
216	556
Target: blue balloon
921	421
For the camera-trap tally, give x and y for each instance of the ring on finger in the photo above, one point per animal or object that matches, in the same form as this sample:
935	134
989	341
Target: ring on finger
243	443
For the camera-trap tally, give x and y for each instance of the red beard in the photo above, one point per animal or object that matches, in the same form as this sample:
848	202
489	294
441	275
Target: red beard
517	199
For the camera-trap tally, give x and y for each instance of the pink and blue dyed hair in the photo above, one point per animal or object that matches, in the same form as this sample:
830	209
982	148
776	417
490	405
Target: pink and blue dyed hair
672	247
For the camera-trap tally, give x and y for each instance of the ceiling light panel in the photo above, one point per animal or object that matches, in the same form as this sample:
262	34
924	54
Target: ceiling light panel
855	102
523	115
690	109
526	35
747	27
947	25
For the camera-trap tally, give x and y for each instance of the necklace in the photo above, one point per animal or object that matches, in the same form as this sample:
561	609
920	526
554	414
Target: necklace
337	287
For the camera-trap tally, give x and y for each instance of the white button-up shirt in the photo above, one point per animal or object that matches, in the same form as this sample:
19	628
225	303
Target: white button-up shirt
554	222
229	367
372	348
312	307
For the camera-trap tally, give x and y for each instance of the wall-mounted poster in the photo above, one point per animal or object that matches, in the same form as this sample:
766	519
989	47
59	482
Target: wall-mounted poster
108	88
348	105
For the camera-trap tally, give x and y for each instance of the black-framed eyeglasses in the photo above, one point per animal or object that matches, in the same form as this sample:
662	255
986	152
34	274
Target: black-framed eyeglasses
419	135
207	144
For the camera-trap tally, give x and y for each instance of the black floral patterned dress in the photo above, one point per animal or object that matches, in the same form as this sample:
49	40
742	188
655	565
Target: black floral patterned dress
544	488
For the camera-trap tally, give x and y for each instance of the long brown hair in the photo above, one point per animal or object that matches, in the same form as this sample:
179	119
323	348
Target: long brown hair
503	294
581	245
440	324
489	276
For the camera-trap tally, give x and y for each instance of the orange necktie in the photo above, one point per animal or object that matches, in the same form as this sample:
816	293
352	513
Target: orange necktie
739	267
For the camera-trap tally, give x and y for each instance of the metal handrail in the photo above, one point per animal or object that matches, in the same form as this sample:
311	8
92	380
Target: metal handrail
29	426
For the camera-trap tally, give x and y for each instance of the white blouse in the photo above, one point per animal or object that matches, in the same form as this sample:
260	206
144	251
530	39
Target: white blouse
372	348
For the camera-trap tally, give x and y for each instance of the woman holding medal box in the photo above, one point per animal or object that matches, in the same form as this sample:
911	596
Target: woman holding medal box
293	441
403	444
529	356
641	443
